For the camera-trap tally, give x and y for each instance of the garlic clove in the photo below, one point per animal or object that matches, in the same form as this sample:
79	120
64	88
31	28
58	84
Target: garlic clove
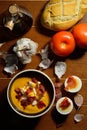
60	69
78	117
78	99
45	63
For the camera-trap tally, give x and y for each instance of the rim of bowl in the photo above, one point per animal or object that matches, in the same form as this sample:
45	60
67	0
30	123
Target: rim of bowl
19	112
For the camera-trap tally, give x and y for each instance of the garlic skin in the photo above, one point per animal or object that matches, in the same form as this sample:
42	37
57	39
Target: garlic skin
45	63
60	69
78	99
11	62
10	69
78	117
45	60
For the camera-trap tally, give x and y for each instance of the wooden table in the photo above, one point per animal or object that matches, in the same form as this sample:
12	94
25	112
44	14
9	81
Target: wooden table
76	65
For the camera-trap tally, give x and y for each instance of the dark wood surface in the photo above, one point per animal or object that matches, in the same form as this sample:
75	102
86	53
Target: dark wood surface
76	65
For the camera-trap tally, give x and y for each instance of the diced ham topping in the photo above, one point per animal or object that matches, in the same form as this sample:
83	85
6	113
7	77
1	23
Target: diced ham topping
64	104
41	104
28	91
28	94
41	89
34	80
71	83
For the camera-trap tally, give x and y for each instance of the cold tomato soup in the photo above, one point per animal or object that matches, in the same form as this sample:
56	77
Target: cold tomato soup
29	95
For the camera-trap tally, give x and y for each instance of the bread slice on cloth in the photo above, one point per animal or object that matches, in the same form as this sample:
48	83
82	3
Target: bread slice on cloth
63	14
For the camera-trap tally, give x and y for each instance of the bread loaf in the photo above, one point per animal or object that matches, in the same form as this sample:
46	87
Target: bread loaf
63	14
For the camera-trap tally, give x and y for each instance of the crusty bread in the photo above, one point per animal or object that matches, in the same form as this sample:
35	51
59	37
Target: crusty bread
63	14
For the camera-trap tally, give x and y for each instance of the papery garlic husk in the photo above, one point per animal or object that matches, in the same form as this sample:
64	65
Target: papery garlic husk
78	117
78	99
10	69
44	64
44	52
60	69
11	61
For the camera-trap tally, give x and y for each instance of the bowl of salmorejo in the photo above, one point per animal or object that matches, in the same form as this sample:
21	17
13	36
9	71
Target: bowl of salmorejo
31	93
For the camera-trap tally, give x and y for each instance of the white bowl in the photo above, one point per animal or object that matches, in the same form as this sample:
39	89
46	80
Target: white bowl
73	84
64	110
44	79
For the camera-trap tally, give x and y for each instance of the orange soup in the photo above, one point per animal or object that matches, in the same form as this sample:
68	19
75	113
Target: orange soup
29	95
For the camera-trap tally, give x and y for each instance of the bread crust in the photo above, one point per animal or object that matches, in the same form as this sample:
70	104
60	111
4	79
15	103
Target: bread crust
63	14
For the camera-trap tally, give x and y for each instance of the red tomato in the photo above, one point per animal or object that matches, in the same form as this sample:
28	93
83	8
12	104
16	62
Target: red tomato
63	43
79	32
